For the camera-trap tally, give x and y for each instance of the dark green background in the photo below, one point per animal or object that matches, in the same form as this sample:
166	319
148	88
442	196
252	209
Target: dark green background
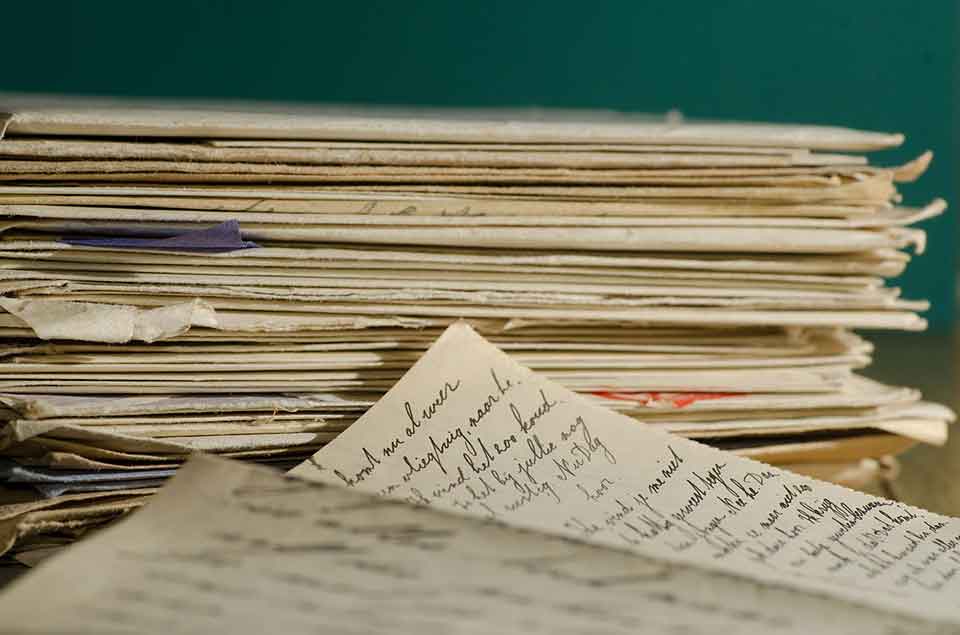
877	64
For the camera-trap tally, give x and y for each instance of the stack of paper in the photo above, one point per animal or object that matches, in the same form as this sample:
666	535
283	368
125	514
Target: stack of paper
248	282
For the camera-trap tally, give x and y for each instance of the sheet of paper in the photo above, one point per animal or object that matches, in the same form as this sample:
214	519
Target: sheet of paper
253	315
357	154
791	240
357	283
874	191
33	115
49	265
200	171
53	406
647	342
564	147
253	361
322	202
468	429
879	263
399	298
881	218
232	548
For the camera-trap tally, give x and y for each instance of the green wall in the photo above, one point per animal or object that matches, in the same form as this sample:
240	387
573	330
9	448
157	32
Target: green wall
876	64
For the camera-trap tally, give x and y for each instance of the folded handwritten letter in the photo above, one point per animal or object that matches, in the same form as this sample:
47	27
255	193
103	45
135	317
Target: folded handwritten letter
229	548
468	429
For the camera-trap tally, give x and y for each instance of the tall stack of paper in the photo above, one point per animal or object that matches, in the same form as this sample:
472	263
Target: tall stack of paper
249	282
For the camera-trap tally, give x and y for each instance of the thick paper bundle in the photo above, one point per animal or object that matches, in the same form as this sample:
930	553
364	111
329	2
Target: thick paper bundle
249	283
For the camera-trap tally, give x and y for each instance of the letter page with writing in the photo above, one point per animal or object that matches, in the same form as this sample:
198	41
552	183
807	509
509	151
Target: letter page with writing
470	430
231	548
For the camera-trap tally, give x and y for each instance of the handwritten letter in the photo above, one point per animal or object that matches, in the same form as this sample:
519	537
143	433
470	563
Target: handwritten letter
467	429
232	548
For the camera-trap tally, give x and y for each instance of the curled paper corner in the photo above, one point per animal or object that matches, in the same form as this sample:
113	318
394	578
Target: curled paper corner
909	237
918	238
109	323
912	170
934	208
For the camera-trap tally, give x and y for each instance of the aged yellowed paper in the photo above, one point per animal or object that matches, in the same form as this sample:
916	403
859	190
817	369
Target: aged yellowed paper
238	549
470	430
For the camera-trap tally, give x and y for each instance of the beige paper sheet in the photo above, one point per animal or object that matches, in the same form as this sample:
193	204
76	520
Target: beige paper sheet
363	281
489	438
250	362
44	115
50	406
501	147
232	548
792	240
874	192
898	217
448	302
770	342
252	315
878	262
306	201
737	170
422	154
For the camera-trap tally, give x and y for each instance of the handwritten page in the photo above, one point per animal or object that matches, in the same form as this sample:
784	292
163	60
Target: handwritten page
468	429
239	549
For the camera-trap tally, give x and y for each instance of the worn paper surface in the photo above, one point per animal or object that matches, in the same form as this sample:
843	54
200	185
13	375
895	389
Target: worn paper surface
668	239
470	430
238	549
881	218
383	153
256	315
200	171
45	115
877	262
108	323
327	201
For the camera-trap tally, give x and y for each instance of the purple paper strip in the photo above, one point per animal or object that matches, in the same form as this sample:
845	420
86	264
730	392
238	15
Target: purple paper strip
219	238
